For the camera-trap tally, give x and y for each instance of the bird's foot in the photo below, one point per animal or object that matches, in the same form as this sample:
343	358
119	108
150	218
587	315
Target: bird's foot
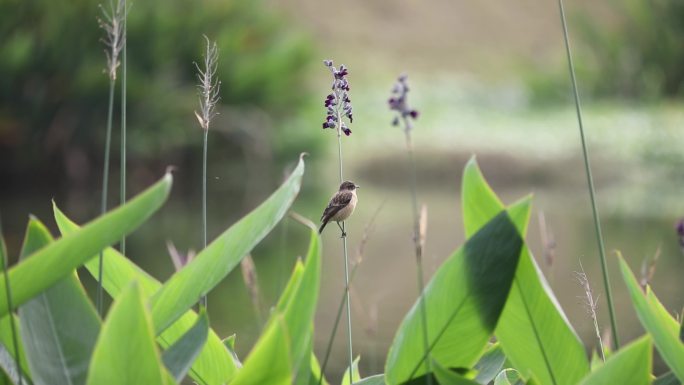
344	235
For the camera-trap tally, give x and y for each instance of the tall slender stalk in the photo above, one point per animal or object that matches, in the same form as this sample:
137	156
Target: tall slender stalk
115	39
122	184
209	89
590	181
10	316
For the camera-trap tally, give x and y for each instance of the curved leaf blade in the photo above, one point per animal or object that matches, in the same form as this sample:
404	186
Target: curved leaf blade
59	326
178	358
214	365
213	263
630	365
50	264
656	320
533	330
126	352
463	300
448	377
285	343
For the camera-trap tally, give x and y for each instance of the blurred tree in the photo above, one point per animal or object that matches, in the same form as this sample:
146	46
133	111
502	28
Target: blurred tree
53	88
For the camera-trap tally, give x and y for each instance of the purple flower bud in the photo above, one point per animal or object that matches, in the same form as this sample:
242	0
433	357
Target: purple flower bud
328	63
325	125
395	121
346	131
680	228
414	114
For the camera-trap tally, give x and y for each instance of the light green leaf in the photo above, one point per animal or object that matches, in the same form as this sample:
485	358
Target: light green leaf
215	364
509	377
213	263
59	326
631	365
278	353
50	264
229	343
668	378
463	300
316	372
126	352
657	321
448	377
178	358
8	363
355	373
533	330
378	379
490	364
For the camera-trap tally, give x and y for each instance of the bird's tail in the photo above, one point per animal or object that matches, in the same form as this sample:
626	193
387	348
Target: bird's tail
320	230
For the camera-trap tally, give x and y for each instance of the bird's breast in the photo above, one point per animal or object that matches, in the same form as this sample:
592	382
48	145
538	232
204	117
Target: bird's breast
346	211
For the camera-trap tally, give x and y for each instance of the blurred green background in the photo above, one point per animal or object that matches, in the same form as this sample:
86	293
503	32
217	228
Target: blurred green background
488	77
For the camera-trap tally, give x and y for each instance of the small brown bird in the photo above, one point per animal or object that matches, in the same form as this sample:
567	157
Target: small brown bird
341	206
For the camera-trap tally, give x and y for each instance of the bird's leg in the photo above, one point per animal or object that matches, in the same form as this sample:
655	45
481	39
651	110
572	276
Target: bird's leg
344	234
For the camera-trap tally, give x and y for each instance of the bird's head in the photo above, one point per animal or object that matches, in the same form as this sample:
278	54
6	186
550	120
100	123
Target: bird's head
347	185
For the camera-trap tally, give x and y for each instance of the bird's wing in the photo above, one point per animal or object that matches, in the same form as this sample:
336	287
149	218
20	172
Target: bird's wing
337	203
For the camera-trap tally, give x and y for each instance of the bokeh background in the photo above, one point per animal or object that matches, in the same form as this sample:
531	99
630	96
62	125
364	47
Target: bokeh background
488	77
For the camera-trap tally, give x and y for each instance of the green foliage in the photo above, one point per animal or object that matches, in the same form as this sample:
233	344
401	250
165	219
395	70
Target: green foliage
490	364
449	377
50	264
662	327
179	357
533	330
629	366
355	373
54	85
59	327
125	352
463	302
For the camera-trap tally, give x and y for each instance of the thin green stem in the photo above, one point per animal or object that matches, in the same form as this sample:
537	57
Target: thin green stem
10	317
123	126
417	243
204	200
105	187
590	181
344	246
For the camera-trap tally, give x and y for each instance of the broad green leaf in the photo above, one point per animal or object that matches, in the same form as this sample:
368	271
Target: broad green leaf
668	378
125	352
178	358
316	372
355	373
463	300
631	365
533	330
509	377
277	355
490	364
50	264
213	263
215	364
8	364
448	377
657	321
59	326
378	379
229	343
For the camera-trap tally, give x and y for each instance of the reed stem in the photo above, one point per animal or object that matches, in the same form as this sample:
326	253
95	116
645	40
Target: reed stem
123	125
590	181
105	187
203	300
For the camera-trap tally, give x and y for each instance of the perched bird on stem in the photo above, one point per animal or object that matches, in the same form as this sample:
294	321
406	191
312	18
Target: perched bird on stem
341	206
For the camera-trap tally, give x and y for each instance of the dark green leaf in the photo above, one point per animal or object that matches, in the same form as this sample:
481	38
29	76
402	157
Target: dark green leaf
533	331
178	358
448	377
490	364
9	365
50	264
668	378
59	326
463	301
212	264
215	364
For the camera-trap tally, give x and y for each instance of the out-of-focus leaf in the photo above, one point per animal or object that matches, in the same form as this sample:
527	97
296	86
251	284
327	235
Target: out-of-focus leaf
214	365
213	263
657	321
533	331
463	301
448	377
631	365
378	379
355	373
490	364
277	355
59	326
316	372
509	377
125	352
50	264
9	366
668	378
178	358
229	343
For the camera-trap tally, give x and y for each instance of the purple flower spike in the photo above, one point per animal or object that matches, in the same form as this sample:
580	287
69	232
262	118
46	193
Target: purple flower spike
398	102
338	103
